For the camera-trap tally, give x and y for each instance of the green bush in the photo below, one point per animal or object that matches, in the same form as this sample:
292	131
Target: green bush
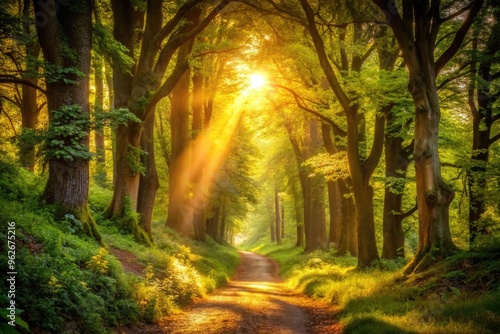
70	284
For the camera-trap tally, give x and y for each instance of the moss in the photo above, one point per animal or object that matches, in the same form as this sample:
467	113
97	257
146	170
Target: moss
129	222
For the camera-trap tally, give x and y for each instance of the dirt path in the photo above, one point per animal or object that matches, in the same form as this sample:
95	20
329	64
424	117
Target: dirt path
255	301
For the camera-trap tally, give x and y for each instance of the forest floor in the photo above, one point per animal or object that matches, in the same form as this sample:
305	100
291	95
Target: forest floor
254	301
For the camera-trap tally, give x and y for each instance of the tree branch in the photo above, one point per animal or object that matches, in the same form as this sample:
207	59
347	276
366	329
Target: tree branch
8	117
458	12
409	212
494	139
298	99
459	37
17	104
344	100
16	80
458	75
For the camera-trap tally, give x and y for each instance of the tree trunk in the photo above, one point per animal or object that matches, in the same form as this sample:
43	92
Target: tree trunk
433	194
100	175
197	171
481	102
29	102
179	215
299	215
180	209
127	165
342	209
335	203
222	229
314	199
272	230
277	215
148	183
417	32
68	103
212	223
29	119
282	220
396	165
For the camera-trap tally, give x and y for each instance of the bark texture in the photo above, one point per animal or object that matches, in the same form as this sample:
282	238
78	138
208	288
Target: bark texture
68	181
416	32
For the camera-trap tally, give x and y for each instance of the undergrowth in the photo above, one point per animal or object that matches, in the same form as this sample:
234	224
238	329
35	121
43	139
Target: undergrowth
458	295
67	283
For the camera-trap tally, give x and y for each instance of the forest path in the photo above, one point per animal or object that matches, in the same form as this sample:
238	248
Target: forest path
255	301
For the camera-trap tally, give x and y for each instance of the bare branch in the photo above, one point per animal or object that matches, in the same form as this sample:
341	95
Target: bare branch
458	12
15	80
459	37
8	117
494	139
408	213
299	103
16	103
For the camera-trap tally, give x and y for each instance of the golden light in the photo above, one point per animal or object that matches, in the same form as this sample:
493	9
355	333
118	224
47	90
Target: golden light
256	80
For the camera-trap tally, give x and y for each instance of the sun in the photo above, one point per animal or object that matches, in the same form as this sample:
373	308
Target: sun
256	80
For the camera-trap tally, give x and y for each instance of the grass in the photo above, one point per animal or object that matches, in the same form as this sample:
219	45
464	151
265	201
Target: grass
67	283
459	295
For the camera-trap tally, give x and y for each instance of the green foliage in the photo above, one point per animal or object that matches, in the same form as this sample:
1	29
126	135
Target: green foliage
58	288
130	223
67	283
134	156
113	118
67	128
110	48
459	295
29	138
176	270
73	224
55	74
6	314
333	167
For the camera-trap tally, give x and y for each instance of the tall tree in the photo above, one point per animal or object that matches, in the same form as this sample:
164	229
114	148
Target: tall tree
66	40
312	186
416	31
277	214
482	97
140	90
361	165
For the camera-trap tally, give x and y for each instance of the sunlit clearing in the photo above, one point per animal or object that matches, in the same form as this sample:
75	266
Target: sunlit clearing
256	80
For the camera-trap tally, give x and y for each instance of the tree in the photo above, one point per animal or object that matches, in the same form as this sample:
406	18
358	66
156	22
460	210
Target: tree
416	31
141	89
312	186
21	50
482	98
277	215
66	40
361	166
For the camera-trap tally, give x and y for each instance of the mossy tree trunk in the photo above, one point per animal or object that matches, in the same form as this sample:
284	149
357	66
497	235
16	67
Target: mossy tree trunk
70	28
